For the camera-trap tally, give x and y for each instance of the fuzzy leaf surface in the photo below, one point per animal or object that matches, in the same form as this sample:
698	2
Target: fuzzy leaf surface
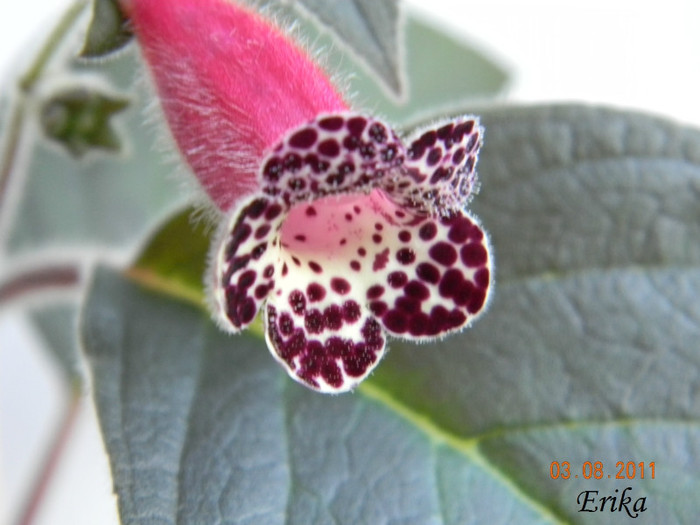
588	353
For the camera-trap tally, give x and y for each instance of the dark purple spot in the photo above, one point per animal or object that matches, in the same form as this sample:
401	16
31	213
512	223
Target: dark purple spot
304	138
261	291
444	253
405	236
395	321
256	208
313	321
418	324
297	184
355	265
292	162
329	148
397	279
458	156
331	123
428	231
346	168
315	292
465	128
417	290
375	292
286	324
445	132
378	308
450	283
310	211
434	156
373	334
351	311
269	271
367	151
284	269
428	139
262	231
297	301
389	153
377	132
399	214
239	262
428	273
317	165
476	233
352	142
258	251
481	278
455	319
381	260
272	169
473	254
246	279
356	125
332	374
406	255
477	301
336	347
358	361
416	151
300	237
239	235
333	317
315	267
441	173
340	285
461	298
460	230
407	305
356	209
273	211
361	252
377	238
247	311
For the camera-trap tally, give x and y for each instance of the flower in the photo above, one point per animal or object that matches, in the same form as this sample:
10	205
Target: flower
337	229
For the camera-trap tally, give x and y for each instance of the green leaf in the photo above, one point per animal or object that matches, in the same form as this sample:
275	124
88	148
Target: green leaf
175	257
371	29
80	120
441	73
108	31
202	427
588	353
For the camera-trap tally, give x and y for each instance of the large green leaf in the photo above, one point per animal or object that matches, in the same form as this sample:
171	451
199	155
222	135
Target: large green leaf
589	353
441	72
370	29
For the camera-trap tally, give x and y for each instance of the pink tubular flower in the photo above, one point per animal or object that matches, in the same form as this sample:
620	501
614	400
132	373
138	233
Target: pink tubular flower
338	229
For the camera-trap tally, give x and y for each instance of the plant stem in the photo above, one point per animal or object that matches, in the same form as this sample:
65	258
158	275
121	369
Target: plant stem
26	85
59	276
55	452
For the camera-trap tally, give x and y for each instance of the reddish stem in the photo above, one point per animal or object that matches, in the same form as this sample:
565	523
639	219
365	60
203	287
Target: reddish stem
65	276
48	468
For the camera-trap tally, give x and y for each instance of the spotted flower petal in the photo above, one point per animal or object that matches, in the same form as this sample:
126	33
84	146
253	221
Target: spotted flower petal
336	229
341	245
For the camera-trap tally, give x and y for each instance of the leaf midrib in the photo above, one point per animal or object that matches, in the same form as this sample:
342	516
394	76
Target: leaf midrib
469	447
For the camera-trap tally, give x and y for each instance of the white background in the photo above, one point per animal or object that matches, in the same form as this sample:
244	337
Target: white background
625	53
